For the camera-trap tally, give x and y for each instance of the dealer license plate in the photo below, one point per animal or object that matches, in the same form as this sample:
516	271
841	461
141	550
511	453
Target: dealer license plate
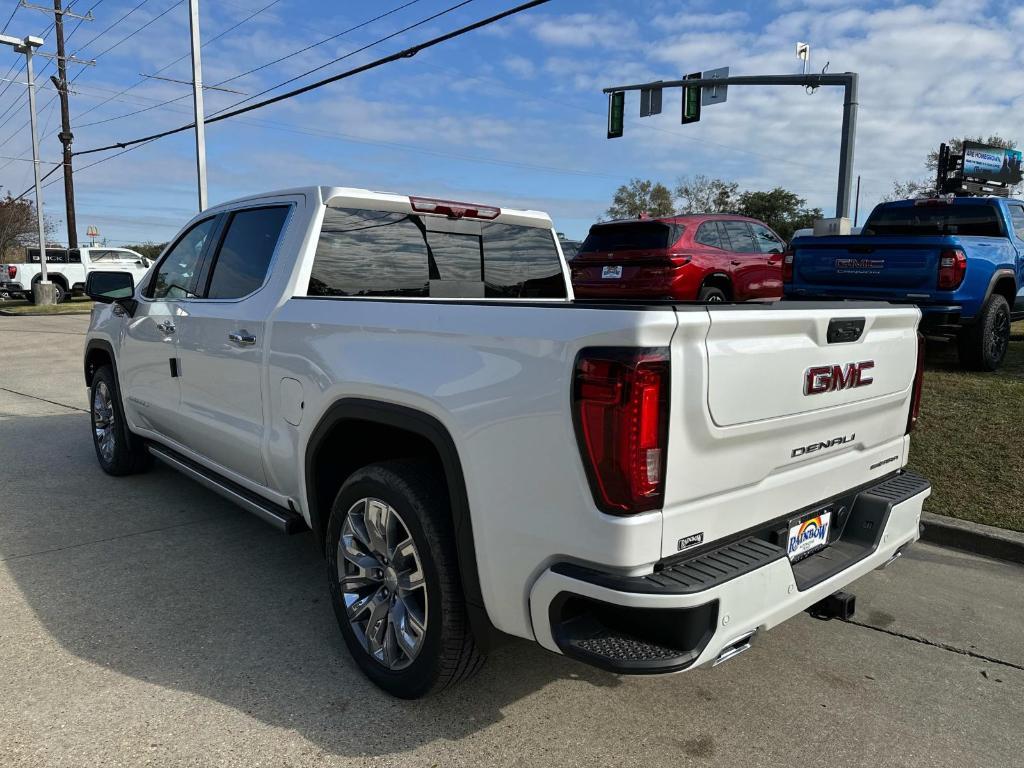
808	534
611	273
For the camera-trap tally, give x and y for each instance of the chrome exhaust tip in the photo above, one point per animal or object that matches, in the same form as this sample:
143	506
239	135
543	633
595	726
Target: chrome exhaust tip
735	648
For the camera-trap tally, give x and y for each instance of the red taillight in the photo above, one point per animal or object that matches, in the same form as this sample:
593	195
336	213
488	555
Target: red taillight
620	408
915	394
453	209
787	268
952	268
12	271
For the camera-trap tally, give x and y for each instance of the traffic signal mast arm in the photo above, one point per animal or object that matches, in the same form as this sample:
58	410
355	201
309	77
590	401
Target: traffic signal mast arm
847	80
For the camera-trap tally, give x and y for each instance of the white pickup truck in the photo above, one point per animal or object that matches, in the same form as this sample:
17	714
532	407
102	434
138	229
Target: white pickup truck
642	486
68	269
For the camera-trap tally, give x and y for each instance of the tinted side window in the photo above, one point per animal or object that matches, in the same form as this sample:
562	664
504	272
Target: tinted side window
1017	219
740	237
708	234
369	253
521	262
173	278
766	240
244	257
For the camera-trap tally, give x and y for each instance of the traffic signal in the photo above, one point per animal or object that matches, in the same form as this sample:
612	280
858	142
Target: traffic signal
691	100
616	112
650	102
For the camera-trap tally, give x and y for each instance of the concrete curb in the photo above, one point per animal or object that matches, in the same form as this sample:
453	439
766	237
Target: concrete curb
973	537
8	313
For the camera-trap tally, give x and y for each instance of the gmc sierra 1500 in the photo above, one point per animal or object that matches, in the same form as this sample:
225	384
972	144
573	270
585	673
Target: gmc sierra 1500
644	486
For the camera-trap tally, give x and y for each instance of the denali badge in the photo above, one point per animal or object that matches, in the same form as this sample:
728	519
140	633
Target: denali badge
829	378
820	446
691	541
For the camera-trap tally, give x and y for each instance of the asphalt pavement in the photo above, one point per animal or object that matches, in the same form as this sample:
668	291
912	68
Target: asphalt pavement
145	621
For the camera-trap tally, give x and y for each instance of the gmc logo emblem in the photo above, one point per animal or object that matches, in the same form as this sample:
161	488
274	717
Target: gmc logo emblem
830	378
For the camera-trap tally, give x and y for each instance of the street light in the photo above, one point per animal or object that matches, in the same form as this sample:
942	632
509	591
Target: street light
42	291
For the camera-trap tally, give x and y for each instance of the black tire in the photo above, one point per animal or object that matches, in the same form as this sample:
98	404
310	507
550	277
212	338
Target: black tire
982	346
711	295
447	652
125	454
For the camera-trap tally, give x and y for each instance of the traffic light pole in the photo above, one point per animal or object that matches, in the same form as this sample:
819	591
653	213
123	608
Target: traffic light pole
847	80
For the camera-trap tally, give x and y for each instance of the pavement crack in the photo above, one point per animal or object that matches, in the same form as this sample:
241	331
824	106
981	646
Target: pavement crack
43	400
109	538
937	644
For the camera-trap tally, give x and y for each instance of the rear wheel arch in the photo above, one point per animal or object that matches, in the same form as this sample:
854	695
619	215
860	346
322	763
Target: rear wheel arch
356	432
721	281
1004	283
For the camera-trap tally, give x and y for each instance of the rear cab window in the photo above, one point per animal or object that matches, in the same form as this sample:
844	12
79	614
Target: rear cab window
937	219
366	253
632	236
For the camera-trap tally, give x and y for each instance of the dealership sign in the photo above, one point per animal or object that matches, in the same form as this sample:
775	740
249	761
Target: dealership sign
992	163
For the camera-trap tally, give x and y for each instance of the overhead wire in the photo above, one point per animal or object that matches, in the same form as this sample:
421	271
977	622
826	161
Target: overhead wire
403	54
239	75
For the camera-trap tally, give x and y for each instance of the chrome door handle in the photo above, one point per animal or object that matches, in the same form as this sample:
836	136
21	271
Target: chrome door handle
166	327
242	338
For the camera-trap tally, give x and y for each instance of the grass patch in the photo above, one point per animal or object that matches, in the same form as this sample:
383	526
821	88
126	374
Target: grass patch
21	307
970	439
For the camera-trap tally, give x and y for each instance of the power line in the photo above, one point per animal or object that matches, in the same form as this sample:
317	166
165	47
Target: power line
117	94
403	54
128	37
142	80
17	5
241	74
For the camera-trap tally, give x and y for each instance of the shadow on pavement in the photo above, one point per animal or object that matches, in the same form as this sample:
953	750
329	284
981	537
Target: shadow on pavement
156	578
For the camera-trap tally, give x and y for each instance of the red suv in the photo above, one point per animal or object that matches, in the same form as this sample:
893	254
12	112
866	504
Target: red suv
687	258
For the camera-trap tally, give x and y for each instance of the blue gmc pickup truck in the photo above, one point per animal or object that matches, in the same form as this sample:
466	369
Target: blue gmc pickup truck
961	260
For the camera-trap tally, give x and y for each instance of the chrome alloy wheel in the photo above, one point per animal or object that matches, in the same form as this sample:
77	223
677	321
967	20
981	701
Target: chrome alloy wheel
382	583
103	420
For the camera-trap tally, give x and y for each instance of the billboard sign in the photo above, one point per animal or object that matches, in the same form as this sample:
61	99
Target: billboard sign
992	163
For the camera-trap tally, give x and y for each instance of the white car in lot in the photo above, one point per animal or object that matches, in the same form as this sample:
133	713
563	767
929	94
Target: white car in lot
68	269
644	486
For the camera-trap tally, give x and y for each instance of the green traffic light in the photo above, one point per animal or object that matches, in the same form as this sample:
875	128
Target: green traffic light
616	113
691	100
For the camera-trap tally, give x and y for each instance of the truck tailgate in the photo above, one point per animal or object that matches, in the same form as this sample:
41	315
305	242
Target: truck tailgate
909	263
768	416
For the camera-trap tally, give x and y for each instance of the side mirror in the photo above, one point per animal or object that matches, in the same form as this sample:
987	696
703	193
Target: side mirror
108	287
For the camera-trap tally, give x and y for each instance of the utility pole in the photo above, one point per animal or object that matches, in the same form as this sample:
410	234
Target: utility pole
61	84
66	137
197	100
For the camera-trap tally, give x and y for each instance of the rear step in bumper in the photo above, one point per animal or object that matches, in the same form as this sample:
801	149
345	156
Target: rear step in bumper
705	609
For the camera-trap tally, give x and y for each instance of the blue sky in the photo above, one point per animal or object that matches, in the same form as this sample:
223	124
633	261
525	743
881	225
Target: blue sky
512	115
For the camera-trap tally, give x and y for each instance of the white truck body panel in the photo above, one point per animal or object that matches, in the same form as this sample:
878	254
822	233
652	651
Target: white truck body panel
498	375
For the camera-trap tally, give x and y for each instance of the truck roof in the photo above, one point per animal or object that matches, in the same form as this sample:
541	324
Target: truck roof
941	200
355	197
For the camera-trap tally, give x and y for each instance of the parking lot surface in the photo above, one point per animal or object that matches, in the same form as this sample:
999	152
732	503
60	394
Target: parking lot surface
145	621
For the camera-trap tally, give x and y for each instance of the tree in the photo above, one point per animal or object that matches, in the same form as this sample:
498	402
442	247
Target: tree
18	227
780	209
148	249
903	190
703	194
641	197
956	147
